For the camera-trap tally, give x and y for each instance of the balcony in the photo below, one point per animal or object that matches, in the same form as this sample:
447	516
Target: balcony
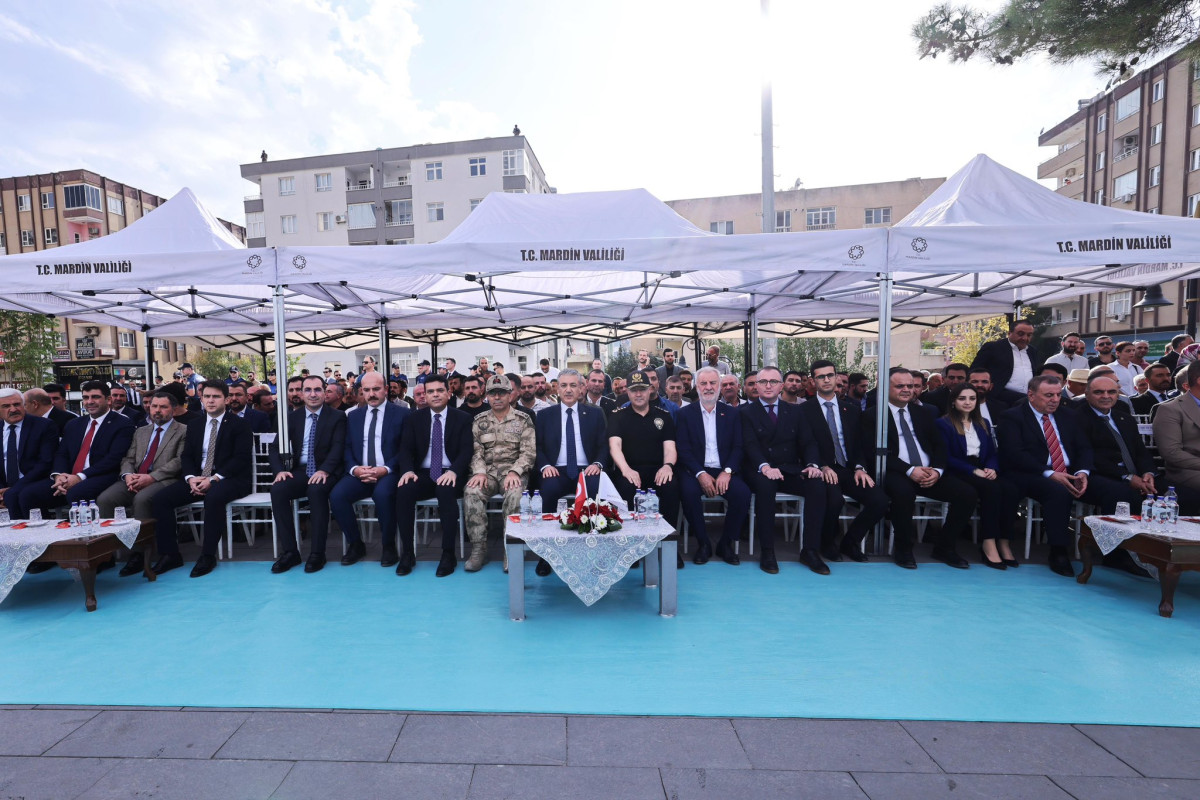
395	223
83	215
1068	159
824	226
1124	154
401	181
250	198
358	186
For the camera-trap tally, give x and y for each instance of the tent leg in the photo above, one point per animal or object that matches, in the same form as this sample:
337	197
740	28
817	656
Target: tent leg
266	367
696	348
752	335
881	389
281	407
148	345
433	357
385	352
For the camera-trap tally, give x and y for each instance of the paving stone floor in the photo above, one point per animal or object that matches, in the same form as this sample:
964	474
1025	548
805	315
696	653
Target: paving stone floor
61	752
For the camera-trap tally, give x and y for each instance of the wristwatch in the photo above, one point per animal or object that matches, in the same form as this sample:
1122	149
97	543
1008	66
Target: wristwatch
727	471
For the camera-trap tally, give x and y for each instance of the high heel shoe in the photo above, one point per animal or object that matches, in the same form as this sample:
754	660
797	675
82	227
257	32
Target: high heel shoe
988	563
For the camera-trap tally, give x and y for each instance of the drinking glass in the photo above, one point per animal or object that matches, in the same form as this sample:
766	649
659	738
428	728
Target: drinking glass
563	504
4	516
119	514
35	515
1122	511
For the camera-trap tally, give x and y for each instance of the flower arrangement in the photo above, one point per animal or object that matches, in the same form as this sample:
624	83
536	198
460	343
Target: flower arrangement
591	516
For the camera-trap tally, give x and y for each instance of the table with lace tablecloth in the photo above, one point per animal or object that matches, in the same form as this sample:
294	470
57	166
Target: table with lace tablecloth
73	548
590	564
1170	550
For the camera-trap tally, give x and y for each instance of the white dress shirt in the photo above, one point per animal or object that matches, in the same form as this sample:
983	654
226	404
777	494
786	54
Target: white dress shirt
712	456
1022	370
917	459
580	455
428	453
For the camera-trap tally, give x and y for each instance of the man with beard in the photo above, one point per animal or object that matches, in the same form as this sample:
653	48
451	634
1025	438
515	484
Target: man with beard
793	386
472	402
529	399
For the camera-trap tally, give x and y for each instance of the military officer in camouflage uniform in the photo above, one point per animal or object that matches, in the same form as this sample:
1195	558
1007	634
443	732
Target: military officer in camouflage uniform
504	452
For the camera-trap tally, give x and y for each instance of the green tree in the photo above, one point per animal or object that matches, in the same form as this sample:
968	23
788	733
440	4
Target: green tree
796	352
963	339
1117	34
29	342
216	363
620	365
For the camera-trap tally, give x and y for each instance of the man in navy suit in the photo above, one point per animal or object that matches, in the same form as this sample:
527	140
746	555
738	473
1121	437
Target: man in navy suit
709	442
258	421
317	435
435	454
217	469
836	425
1047	455
28	445
89	456
1011	361
372	457
560	458
782	456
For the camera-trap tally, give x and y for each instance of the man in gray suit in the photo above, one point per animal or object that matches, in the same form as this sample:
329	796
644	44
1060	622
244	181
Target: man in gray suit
1177	435
669	369
152	463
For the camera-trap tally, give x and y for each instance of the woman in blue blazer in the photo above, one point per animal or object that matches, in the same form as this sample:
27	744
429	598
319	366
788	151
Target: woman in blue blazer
972	457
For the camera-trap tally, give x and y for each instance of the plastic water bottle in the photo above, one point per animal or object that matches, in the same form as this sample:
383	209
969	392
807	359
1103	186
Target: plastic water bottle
1160	511
525	515
1148	510
651	504
535	506
639	505
93	517
1172	501
73	515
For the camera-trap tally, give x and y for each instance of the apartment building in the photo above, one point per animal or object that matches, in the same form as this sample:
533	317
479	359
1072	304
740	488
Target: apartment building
39	212
1136	147
397	195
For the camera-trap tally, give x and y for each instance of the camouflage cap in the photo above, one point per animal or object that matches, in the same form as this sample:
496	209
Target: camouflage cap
498	383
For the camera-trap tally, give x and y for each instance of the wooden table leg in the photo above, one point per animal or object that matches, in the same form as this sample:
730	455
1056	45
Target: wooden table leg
88	574
1168	578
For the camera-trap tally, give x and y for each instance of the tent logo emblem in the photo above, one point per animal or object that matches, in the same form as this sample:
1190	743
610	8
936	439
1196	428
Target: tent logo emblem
254	262
919	245
856	252
299	262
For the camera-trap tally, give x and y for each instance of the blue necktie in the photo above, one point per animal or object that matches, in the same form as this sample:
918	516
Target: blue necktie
311	465
371	438
12	466
572	456
436	448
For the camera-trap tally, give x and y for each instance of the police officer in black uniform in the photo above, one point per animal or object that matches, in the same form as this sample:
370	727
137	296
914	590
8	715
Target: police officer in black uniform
641	439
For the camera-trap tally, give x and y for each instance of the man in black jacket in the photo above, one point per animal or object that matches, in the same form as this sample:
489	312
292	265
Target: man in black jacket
1011	362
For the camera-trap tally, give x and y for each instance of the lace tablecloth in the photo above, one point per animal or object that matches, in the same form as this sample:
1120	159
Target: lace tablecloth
20	548
591	563
1109	533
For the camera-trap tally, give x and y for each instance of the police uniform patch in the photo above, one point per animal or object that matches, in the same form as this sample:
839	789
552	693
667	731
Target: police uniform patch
658	423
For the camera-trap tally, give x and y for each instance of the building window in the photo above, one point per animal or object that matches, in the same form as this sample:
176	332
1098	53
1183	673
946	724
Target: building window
820	219
1192	201
1125	185
1152	210
48	197
514	162
77	238
23	203
1099	161
361	215
50	235
871	348
1196	71
522	364
433	170
398	212
475	203
723	227
127	339
287	186
1156	91
1119	303
478	167
1101	123
1155	176
26	238
1129	104
1194	160
1074	315
1093	309
81	195
878	216
160	344
324	181
324	220
1098	197
783	221
116	205
3	243
399	241
287	223
1155	134
256	227
435	212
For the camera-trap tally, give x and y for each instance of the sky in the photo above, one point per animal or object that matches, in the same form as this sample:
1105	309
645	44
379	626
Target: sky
659	94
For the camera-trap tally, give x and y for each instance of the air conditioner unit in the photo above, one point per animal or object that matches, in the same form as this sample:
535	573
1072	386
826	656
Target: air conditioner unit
1120	317
91	330
1125	198
340	218
1130	140
92	231
1070	172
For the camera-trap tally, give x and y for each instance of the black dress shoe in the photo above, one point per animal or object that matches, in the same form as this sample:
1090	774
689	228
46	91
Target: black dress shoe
987	562
447	564
289	559
543	568
167	562
407	562
767	562
904	558
726	553
852	551
810	558
704	552
315	562
830	552
135	564
1060	564
204	565
354	552
388	559
950	557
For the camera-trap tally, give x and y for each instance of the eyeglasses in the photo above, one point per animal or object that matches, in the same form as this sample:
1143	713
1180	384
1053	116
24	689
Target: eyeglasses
767	382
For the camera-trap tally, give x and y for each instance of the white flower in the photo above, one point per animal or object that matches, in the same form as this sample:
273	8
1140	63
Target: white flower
564	516
583	520
601	523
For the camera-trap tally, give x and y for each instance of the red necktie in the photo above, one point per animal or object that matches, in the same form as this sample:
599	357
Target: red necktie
144	469
1057	462
81	459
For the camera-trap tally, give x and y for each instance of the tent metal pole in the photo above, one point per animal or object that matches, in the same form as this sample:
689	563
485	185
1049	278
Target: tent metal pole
148	344
266	369
385	350
433	359
283	441
883	360
696	349
752	349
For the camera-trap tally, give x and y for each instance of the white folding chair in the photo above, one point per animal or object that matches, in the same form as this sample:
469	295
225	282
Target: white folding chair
427	514
792	520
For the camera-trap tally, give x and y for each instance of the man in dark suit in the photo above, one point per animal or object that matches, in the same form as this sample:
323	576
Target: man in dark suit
1171	358
571	438
238	405
1047	455
596	396
916	466
58	402
669	368
989	407
435	455
1159	379
37	404
28	445
781	455
317	435
953	376
708	439
1122	468
1011	361
88	457
119	401
372	463
218	466
836	426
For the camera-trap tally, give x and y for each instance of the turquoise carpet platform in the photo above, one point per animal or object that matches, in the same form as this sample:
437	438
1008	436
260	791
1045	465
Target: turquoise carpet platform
870	642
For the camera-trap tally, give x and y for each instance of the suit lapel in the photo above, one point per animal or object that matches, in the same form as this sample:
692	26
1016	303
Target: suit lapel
1190	409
